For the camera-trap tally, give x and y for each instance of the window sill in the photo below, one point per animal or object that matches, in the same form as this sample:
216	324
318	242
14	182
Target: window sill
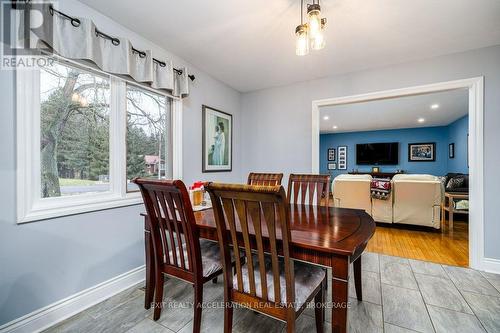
43	211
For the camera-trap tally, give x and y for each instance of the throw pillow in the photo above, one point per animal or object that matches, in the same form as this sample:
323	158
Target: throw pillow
455	182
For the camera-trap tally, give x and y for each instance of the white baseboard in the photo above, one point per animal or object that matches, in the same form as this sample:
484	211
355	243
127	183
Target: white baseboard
491	265
49	315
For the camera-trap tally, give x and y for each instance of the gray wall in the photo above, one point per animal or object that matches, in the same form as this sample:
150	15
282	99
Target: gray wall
43	262
277	132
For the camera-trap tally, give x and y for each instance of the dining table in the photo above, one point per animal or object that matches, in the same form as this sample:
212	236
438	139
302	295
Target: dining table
330	237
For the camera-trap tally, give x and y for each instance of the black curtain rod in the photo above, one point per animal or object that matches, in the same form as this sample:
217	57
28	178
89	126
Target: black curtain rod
114	40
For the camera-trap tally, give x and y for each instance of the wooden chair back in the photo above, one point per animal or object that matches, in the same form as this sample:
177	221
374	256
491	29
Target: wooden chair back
265	179
173	227
314	188
263	210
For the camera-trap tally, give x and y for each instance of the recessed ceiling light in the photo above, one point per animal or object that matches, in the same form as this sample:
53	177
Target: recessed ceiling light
326	118
435	106
335	127
421	120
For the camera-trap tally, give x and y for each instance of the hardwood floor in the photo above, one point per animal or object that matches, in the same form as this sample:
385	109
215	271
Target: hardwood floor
427	244
450	248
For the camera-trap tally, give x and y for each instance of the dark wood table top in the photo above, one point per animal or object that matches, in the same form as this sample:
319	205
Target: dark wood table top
327	230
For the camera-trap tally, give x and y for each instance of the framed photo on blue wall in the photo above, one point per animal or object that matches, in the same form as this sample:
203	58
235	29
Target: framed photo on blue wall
332	166
422	152
342	158
451	150
331	155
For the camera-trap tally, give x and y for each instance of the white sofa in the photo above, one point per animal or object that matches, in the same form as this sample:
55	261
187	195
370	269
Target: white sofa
352	191
415	199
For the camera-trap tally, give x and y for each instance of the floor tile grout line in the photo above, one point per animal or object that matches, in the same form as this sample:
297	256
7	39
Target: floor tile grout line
423	300
447	279
381	295
405	328
466	301
474	292
484	277
180	329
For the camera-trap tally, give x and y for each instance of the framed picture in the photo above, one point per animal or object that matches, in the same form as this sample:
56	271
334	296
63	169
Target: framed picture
331	154
217	133
451	150
332	166
342	157
422	152
375	169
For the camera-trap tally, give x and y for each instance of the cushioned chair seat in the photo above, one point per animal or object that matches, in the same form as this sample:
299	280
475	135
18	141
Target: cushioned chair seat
307	279
210	257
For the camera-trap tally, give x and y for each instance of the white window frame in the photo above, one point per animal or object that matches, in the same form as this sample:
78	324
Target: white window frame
30	206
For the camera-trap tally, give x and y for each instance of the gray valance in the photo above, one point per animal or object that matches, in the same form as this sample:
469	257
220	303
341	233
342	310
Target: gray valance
80	39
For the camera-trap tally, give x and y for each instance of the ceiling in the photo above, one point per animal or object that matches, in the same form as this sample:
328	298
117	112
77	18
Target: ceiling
250	45
401	112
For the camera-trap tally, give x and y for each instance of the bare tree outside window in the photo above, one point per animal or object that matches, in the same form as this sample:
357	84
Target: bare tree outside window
147	135
74	136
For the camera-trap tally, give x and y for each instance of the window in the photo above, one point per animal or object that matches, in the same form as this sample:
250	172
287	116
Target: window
148	141
74	131
83	135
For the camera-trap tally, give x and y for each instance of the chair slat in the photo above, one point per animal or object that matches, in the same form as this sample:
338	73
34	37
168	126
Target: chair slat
173	210
319	192
270	216
183	228
228	206
240	206
312	187
255	215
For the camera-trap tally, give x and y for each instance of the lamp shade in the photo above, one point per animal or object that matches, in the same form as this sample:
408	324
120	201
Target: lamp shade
302	40
314	18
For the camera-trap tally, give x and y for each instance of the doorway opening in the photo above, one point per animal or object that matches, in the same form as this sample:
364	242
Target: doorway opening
411	158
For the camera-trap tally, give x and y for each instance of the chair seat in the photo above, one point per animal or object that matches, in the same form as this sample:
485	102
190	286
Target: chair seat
210	257
307	279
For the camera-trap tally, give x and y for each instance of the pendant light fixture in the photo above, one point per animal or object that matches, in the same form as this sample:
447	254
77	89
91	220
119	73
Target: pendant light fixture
311	32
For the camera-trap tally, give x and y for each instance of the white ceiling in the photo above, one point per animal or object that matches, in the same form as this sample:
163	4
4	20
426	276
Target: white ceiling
402	112
250	44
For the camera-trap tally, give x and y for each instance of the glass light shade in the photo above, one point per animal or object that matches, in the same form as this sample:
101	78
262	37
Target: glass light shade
314	21
302	42
318	41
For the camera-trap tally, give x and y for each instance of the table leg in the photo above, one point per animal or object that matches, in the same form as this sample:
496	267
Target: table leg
150	267
340	287
442	216
357	278
450	214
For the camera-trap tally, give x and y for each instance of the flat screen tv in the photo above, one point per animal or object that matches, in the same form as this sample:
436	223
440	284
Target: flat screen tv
377	153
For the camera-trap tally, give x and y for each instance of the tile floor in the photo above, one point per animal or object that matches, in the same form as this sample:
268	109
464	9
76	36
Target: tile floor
400	295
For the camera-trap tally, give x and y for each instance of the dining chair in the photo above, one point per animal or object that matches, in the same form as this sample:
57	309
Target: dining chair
271	283
178	251
313	187
267	179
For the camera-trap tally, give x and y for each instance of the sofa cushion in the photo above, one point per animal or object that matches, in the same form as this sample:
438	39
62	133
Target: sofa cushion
415	177
353	177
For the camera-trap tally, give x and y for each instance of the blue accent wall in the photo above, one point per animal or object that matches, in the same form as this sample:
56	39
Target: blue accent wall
457	134
441	135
